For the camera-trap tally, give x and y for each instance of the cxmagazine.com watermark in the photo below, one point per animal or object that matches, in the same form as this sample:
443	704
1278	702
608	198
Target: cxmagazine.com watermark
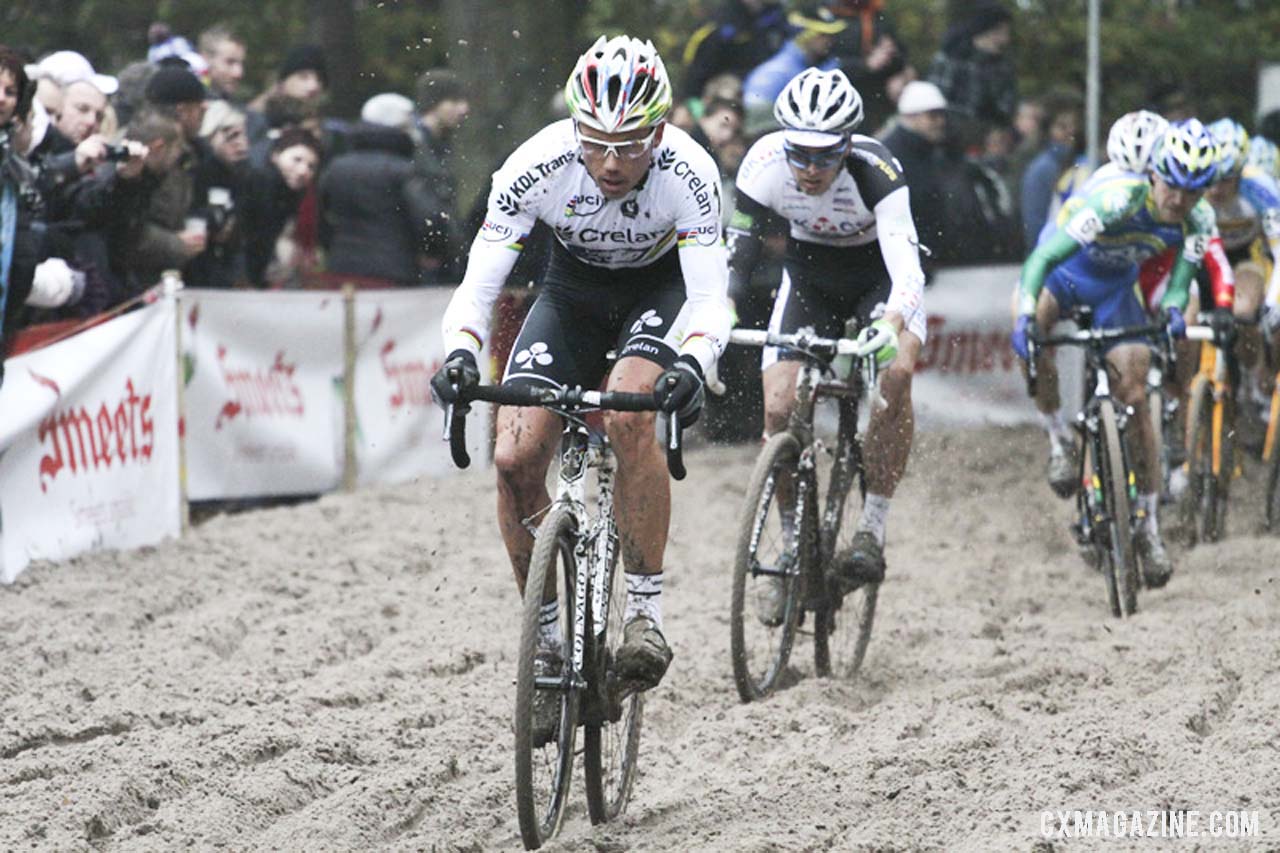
1153	823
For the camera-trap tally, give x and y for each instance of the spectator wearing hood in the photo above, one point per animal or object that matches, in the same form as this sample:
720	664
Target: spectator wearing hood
373	207
975	73
742	35
871	56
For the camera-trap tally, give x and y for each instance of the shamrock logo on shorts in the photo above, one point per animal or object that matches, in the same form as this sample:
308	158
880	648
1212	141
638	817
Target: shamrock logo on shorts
535	353
648	318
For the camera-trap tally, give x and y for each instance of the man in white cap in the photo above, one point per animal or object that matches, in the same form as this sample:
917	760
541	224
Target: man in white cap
59	70
917	143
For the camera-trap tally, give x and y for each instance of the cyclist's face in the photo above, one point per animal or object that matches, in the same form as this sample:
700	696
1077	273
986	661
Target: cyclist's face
815	169
1172	203
618	161
1222	192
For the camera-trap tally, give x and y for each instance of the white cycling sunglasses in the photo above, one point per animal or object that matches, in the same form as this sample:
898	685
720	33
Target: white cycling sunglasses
630	150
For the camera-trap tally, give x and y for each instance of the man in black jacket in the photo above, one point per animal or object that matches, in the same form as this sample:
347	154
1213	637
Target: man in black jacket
373	207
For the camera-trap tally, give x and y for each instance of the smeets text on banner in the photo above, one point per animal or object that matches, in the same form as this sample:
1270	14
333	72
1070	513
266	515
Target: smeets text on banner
89	442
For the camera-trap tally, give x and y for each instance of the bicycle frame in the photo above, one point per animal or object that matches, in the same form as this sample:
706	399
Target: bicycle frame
1215	369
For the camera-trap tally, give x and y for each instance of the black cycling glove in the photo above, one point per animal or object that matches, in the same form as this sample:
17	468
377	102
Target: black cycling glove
680	389
458	373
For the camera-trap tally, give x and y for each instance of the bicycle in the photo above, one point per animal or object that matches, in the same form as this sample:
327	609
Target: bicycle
1271	455
1211	418
585	543
1105	515
780	536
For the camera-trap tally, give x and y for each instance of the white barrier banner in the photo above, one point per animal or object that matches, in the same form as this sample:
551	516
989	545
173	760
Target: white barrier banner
398	349
264	392
968	374
89	442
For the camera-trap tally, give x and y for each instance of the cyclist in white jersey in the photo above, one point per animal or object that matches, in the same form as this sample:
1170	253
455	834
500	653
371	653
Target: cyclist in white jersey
634	204
852	252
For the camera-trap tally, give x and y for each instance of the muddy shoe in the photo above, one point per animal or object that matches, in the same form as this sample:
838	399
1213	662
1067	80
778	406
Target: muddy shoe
1156	566
1063	469
644	656
771	601
861	563
547	663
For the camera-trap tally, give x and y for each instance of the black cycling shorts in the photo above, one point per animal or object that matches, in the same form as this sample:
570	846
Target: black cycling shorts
584	311
822	286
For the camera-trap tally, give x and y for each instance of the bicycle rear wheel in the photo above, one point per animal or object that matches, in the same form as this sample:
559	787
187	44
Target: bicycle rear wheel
1121	564
612	729
1273	493
842	627
775	544
1204	511
543	773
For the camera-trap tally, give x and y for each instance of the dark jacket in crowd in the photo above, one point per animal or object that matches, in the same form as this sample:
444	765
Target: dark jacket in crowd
442	239
268	205
1038	187
374	208
866	26
221	265
156	247
977	84
737	40
923	167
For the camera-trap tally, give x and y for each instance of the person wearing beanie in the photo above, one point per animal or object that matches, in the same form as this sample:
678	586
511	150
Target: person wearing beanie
177	92
373	208
442	108
974	71
304	72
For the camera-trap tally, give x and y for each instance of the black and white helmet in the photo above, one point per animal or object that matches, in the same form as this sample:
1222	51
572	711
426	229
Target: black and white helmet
824	102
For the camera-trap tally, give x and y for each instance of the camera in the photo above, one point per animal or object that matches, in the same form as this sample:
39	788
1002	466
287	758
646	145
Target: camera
117	153
219	209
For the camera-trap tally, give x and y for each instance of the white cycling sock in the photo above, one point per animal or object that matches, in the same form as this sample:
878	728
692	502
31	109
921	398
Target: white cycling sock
1147	504
1056	425
549	626
644	598
875	512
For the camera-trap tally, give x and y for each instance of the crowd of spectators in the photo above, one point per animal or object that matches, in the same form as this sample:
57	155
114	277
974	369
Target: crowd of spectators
107	181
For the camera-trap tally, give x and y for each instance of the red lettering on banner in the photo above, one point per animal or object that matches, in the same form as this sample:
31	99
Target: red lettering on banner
258	392
967	351
80	441
411	379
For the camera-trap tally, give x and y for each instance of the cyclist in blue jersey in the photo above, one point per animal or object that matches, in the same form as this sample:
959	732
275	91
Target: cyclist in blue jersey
1246	206
1093	259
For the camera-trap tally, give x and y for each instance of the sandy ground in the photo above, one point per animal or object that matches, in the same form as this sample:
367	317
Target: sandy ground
338	675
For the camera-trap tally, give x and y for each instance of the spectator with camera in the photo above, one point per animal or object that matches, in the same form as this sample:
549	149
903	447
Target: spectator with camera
219	187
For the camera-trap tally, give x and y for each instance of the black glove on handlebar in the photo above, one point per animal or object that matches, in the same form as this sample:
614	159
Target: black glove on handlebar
459	372
1223	323
680	389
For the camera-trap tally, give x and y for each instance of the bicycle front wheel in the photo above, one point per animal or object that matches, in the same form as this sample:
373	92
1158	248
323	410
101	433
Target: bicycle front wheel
774	549
612	729
544	770
842	626
1121	565
1204	510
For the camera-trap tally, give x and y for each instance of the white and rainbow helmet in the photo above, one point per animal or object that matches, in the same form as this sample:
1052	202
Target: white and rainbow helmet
1134	138
619	84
